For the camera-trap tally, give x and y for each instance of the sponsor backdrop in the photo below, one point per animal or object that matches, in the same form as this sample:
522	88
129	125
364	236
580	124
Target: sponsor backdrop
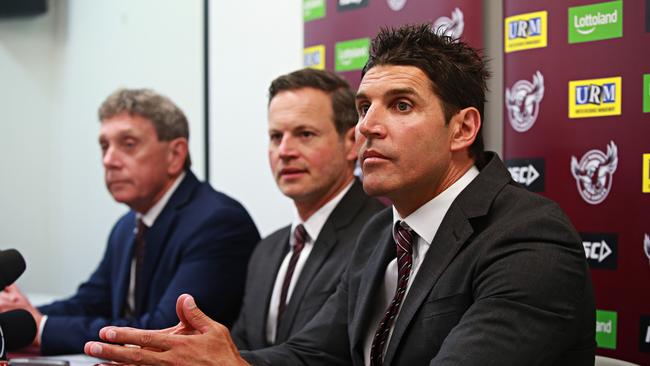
338	32
577	129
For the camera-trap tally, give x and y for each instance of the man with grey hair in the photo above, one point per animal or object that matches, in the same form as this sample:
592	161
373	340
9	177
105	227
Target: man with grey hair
179	236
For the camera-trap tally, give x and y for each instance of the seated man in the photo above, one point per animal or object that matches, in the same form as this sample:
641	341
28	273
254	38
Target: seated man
180	236
467	268
312	155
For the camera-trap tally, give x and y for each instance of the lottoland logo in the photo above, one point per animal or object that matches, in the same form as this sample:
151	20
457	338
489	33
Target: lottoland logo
606	329
314	57
313	9
595	97
596	22
351	55
525	31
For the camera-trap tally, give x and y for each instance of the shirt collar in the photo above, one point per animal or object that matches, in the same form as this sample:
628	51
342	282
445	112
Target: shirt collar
426	220
315	222
150	217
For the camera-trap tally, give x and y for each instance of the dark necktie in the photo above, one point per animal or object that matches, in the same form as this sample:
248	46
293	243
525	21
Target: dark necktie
300	236
404	244
138	255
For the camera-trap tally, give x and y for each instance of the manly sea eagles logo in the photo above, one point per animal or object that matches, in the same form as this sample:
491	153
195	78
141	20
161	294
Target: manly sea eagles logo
522	102
646	246
594	173
450	27
396	5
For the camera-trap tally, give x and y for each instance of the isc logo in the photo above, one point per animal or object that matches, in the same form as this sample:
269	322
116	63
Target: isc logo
600	250
525	28
596	94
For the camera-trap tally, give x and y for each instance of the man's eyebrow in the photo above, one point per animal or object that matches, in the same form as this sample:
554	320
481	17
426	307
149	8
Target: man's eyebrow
390	93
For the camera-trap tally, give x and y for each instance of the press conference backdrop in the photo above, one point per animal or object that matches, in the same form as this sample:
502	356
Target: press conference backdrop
338	32
576	127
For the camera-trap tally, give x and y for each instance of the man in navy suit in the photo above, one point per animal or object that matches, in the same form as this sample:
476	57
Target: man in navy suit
466	268
180	236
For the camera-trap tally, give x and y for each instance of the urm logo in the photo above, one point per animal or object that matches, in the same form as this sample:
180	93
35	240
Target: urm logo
596	94
525	28
595	97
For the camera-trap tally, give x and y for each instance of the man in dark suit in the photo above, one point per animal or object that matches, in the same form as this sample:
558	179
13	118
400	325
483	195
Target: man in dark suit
180	236
311	151
469	268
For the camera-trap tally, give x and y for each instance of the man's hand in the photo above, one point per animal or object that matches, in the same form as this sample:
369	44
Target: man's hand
196	340
11	298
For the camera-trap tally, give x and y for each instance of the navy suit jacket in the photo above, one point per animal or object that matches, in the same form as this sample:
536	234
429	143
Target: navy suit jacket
199	244
504	283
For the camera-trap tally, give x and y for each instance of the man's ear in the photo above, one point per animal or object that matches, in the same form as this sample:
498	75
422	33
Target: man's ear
465	124
350	144
177	153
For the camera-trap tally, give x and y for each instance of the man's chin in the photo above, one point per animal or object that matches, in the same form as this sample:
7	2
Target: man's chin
375	187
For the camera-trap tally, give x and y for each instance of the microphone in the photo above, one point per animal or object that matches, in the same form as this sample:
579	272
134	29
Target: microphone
12	265
17	330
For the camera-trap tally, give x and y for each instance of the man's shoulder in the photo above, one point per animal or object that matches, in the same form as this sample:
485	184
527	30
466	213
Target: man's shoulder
356	207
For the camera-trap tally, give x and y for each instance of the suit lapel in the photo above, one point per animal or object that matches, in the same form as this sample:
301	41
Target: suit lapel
123	270
327	239
453	232
372	277
264	284
157	236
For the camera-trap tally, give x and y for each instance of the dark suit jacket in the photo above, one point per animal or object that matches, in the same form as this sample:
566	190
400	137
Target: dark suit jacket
504	282
199	244
318	279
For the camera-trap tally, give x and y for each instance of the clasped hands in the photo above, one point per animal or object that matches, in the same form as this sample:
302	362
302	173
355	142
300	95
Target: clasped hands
196	340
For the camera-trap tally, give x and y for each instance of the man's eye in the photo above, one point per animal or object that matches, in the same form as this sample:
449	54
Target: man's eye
363	109
307	134
275	137
403	106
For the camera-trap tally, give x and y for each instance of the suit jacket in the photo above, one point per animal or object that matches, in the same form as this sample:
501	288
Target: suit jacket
199	244
318	279
504	282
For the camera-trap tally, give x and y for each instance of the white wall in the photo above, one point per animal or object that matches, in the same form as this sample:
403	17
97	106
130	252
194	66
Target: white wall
55	70
251	43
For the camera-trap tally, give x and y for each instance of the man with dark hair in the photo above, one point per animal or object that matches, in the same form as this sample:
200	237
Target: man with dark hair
294	270
180	236
467	268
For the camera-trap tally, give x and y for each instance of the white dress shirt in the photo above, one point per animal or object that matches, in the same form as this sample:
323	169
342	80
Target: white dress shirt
425	222
148	219
313	226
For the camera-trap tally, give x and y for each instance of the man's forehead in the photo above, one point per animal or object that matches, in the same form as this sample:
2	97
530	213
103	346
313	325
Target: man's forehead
393	79
124	124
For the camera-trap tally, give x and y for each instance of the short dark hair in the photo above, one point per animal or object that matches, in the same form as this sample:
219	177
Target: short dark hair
458	73
167	118
343	99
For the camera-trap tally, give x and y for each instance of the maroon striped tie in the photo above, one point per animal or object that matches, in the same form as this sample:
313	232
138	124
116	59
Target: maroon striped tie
300	237
403	236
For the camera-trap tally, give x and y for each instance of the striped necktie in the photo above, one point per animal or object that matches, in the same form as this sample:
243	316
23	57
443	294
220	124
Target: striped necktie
403	236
